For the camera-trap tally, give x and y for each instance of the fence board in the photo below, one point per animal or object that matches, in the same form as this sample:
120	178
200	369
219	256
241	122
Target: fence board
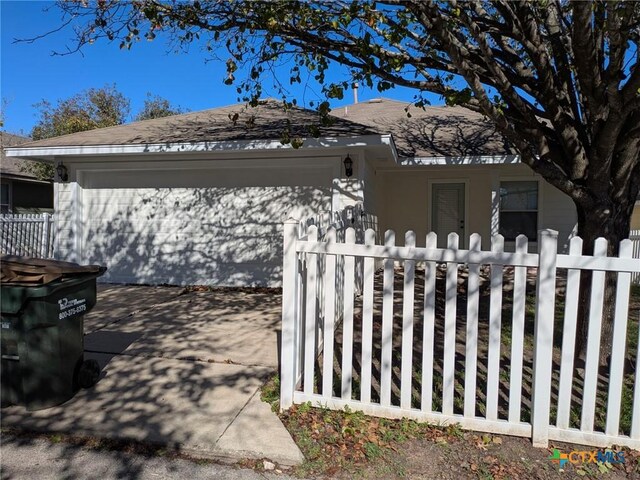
329	318
471	344
593	341
406	367
495	324
451	300
387	323
367	319
616	371
572	298
596	439
543	337
347	319
290	313
635	420
517	333
429	318
311	324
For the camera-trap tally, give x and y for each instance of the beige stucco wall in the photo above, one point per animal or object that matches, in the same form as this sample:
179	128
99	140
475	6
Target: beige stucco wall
406	204
403	202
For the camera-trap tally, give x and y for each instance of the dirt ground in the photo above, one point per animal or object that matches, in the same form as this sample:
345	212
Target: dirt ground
347	444
470	458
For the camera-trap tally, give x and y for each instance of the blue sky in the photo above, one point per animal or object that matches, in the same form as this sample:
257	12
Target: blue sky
30	73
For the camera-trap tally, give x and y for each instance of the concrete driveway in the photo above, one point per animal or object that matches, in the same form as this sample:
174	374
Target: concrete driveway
180	369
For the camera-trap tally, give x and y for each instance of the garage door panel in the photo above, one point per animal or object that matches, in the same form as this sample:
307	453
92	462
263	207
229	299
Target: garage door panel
188	248
292	175
249	204
213	236
187	227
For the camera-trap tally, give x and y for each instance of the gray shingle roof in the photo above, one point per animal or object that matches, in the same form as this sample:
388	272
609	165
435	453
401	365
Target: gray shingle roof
434	131
10	166
267	121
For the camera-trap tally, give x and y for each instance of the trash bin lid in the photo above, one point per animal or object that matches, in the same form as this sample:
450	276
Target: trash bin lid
27	271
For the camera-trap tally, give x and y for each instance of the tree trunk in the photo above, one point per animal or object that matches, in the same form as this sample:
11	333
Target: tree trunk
611	221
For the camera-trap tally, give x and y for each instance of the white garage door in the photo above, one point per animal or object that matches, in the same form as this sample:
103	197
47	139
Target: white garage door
197	227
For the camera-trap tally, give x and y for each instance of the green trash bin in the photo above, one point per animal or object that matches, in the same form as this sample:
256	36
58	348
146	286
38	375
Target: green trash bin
42	308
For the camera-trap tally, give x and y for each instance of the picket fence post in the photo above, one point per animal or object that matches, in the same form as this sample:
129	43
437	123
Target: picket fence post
543	336
289	314
46	235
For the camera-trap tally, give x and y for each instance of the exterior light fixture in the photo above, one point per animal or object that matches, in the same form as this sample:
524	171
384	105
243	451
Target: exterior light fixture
348	166
63	173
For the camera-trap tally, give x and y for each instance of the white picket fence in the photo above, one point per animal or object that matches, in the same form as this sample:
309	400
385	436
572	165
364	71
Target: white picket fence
634	236
423	352
28	235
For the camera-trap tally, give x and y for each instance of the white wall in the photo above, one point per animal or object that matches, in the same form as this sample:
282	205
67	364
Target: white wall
558	213
371	187
66	202
404	204
214	223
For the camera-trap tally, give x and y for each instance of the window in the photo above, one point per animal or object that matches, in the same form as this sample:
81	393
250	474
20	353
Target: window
519	209
5	198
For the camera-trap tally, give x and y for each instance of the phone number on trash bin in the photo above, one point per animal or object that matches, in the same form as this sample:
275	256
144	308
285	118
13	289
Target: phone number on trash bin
72	311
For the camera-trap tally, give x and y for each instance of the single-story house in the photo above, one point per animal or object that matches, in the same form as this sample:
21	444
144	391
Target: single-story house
200	198
20	191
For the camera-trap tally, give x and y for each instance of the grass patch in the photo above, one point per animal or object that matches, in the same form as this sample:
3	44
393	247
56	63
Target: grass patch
270	393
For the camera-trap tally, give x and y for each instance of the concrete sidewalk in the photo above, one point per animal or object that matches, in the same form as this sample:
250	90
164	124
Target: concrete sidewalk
182	370
40	459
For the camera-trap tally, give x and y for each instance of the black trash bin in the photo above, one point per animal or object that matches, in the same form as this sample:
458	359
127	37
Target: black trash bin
42	305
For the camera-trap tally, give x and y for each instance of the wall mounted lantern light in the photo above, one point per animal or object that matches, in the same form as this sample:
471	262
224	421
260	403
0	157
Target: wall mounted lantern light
348	166
63	173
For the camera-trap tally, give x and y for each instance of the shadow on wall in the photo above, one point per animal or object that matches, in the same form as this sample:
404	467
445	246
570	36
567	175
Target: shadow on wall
208	236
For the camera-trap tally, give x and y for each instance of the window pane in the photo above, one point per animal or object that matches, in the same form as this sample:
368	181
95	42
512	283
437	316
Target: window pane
518	195
4	194
513	224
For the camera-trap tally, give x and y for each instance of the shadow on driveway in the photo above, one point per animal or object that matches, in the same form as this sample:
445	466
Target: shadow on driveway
179	369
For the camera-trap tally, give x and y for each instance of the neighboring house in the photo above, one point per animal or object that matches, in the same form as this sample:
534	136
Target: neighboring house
200	198
21	192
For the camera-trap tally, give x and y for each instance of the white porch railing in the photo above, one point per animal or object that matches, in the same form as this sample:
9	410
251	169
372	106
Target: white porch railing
29	235
412	346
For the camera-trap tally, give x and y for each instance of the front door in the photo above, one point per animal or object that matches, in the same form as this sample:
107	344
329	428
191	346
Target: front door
447	211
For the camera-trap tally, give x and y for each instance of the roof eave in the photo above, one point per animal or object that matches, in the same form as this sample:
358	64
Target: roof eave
496	159
50	153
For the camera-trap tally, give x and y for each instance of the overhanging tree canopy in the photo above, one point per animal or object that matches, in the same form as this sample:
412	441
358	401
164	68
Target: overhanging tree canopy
560	79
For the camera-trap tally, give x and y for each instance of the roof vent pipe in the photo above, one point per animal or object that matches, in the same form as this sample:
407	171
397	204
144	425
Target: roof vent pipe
355	93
